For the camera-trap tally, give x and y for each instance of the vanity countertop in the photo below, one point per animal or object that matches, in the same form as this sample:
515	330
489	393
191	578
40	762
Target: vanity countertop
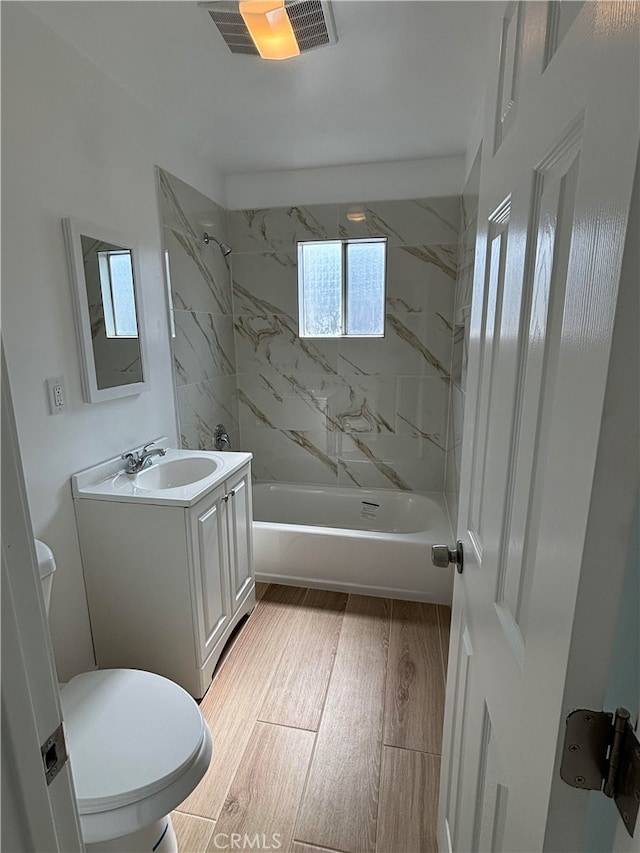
108	481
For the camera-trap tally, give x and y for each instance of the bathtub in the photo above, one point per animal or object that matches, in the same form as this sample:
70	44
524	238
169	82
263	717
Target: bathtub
374	542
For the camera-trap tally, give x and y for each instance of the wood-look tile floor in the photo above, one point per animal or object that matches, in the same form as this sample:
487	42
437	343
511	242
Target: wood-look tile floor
326	718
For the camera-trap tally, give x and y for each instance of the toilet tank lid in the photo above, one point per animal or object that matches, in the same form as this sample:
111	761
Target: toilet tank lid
46	560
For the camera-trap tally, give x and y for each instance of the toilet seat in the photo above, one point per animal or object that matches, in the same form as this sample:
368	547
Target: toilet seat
138	745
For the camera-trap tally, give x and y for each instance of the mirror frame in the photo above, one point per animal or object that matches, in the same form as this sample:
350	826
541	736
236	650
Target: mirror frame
73	230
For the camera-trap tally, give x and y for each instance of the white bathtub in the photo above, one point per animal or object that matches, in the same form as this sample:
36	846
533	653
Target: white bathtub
374	542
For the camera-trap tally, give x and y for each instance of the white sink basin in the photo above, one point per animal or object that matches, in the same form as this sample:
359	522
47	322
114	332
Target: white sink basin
175	473
179	478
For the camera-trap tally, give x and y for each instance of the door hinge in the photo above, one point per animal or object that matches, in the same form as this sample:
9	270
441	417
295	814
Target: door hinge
601	753
54	753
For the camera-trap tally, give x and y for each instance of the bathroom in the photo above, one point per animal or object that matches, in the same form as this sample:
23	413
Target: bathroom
78	144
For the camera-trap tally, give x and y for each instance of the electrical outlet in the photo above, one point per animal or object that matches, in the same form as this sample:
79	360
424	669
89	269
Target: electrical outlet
57	395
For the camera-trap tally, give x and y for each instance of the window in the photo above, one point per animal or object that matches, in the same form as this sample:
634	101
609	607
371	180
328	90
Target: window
341	288
118	299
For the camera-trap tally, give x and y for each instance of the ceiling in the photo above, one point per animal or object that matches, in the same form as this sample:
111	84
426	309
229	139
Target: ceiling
404	81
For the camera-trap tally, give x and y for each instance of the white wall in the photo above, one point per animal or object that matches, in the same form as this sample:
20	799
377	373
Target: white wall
360	182
75	144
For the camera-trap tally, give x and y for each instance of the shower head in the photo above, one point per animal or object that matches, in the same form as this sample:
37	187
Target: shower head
224	248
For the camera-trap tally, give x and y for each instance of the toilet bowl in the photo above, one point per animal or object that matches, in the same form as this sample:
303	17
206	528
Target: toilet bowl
138	746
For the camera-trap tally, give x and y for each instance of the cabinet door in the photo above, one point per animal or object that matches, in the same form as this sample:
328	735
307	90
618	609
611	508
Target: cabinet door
240	536
210	572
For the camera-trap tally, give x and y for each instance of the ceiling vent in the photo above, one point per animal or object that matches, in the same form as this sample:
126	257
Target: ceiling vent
312	22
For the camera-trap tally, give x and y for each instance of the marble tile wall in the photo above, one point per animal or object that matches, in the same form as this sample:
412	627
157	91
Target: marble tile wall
203	343
460	340
371	413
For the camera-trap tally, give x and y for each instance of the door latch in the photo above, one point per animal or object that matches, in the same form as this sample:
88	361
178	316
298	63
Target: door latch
54	753
601	753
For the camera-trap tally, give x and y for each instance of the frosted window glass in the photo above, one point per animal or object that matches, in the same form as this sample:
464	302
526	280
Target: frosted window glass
321	294
341	288
365	288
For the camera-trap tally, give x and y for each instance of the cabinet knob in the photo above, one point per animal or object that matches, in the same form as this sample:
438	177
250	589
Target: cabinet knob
225	498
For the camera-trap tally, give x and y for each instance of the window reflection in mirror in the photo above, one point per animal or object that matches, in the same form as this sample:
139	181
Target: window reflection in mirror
118	300
110	285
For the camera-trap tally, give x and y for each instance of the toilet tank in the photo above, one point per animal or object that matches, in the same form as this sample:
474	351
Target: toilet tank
47	566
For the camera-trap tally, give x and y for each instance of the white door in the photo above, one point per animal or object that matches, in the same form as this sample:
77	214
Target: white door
559	152
35	816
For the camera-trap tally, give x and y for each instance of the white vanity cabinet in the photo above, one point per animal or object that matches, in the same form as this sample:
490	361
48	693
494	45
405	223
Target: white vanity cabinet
167	584
222	559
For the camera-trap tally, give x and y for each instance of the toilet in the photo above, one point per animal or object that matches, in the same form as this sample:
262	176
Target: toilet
138	746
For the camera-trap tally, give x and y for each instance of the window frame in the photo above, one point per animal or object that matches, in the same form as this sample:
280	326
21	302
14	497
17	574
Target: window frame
344	273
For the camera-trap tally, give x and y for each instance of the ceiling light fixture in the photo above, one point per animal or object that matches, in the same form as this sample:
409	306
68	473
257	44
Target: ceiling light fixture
356	214
270	28
311	21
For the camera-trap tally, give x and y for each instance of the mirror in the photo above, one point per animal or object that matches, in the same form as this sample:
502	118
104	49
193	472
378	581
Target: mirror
106	296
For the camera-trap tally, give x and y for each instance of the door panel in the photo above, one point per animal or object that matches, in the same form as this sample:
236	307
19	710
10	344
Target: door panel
560	15
510	66
498	234
462	651
240	538
554	194
493	793
212	568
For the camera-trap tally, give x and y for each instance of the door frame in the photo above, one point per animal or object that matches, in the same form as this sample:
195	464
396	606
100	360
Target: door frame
35	816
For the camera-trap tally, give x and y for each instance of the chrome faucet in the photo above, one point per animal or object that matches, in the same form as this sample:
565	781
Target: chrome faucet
135	461
221	438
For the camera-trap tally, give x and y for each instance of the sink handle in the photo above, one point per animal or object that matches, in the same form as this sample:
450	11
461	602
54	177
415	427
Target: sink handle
132	461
